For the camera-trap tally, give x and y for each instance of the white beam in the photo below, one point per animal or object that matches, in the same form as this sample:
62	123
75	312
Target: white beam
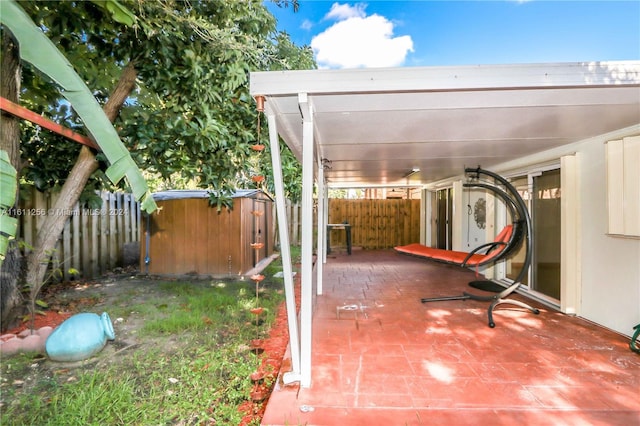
325	218
321	228
285	252
425	214
306	303
456	216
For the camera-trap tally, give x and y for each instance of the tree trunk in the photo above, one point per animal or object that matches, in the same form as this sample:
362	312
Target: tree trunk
121	92
10	273
10	75
53	223
85	165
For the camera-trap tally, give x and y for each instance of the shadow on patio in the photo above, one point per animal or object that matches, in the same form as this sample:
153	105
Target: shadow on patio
396	361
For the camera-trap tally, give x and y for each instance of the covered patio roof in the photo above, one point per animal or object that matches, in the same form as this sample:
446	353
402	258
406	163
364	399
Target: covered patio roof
415	126
375	126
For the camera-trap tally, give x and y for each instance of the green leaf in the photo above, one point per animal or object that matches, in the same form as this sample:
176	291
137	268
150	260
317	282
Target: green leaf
119	13
4	244
8	182
148	204
8	186
8	225
118	169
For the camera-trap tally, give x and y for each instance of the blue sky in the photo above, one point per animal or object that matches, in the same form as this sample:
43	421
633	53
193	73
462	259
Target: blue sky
428	33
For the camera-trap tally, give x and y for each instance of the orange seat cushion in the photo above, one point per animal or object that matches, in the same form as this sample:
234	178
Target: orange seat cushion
457	257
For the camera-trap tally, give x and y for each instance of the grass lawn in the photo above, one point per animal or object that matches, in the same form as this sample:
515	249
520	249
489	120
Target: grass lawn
182	355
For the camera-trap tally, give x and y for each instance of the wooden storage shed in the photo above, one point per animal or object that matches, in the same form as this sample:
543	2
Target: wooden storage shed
188	237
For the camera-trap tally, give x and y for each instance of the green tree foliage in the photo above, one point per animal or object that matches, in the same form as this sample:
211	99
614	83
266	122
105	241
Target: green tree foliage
191	118
38	50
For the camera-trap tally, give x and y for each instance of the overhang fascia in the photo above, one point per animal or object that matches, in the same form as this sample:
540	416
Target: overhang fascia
446	78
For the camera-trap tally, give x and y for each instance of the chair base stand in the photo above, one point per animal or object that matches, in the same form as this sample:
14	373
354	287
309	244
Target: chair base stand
498	299
486	285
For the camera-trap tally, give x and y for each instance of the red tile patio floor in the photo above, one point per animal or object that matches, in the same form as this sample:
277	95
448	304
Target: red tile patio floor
408	363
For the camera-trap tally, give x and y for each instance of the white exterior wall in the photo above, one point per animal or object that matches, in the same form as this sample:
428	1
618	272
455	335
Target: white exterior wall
610	265
610	275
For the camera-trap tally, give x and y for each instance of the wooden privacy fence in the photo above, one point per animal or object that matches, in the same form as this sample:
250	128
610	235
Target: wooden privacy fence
93	240
293	220
376	224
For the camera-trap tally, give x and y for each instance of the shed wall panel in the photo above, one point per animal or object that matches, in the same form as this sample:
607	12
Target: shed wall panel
187	237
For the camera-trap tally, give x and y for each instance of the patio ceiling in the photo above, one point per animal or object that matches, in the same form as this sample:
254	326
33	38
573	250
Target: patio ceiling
377	125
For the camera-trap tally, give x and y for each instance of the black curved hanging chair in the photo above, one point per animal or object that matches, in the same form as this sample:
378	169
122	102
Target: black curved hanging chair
508	241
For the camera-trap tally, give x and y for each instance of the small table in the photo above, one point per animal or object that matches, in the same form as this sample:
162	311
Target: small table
339	226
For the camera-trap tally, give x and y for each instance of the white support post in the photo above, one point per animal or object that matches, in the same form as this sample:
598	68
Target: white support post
285	252
570	225
456	216
306	303
425	214
321	228
325	219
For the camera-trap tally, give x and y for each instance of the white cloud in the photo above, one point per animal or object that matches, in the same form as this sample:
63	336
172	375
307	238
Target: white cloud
306	24
359	41
344	11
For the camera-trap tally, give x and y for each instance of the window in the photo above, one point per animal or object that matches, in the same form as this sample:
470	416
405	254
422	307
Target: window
623	186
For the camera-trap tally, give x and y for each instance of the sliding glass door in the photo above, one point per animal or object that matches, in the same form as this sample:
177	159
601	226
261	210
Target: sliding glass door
444	218
542	193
